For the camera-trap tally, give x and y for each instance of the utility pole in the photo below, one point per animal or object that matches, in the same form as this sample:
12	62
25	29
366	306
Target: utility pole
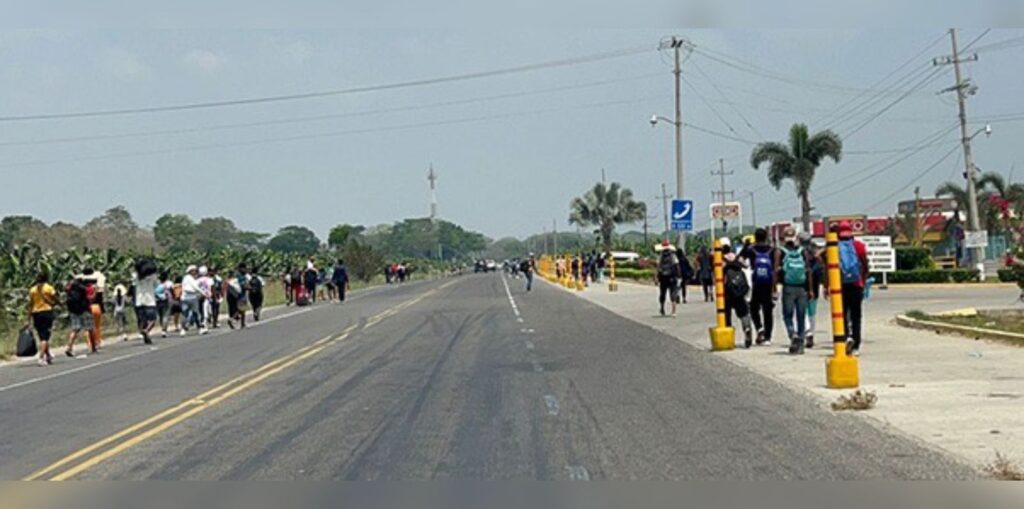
678	44
720	195
602	176
753	210
664	204
432	178
916	242
962	87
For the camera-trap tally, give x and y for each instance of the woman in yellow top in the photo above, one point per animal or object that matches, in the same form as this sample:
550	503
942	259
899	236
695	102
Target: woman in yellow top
41	299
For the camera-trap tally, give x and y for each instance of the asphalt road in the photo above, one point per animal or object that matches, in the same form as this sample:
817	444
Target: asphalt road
456	378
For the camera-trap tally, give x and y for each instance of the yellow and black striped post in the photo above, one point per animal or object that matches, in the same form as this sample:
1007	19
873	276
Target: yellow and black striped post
841	371
722	336
613	286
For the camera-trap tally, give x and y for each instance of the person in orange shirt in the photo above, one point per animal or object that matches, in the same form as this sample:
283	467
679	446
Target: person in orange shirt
42	297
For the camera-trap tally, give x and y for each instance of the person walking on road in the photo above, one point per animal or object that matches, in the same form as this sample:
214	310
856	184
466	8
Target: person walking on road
238	296
146	284
190	295
340	277
77	303
762	259
853	266
42	298
121	311
817	278
795	267
309	278
736	289
163	305
685	275
286	282
528	266
216	297
256	294
705	272
668	277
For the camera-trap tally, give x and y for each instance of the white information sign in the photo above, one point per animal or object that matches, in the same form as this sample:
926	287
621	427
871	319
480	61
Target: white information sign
881	255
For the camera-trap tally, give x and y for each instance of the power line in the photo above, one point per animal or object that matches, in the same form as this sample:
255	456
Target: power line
718	134
884	78
708	104
330	134
291	120
916	178
327	93
921	84
726	99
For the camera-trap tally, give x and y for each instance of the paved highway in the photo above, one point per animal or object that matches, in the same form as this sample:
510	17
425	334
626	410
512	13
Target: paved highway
464	378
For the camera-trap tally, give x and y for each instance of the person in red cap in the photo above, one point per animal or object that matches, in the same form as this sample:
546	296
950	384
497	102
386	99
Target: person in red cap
668	276
853	266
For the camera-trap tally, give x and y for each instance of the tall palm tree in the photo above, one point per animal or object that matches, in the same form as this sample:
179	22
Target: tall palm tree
798	161
604	207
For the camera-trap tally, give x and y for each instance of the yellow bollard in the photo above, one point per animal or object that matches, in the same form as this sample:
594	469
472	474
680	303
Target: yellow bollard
841	371
722	337
613	285
566	273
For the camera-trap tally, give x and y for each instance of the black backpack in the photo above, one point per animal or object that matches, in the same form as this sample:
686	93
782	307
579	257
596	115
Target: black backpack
667	264
76	298
256	285
736	285
145	267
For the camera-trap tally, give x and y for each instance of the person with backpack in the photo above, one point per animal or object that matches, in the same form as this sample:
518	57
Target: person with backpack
795	275
309	278
238	296
668	276
761	258
76	301
175	302
94	286
853	267
736	289
340	277
190	300
216	297
42	298
256	294
528	267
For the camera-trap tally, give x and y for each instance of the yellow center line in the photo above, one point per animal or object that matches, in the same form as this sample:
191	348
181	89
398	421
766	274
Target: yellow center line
197	404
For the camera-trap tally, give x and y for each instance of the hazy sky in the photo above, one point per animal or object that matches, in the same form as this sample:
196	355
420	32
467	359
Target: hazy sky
509	164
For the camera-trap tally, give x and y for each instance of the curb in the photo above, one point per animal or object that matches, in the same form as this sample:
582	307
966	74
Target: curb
962	330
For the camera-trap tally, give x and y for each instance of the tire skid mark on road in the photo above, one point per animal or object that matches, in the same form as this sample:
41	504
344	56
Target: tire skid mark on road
84	459
575	472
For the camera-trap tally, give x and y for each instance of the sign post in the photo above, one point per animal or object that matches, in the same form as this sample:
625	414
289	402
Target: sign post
881	255
682	215
727	211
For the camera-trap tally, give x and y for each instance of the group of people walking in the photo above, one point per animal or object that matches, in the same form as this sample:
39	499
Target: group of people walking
588	267
309	284
178	304
758	274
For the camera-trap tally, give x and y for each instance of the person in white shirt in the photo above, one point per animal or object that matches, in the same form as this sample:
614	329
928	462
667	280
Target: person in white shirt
190	294
205	283
146	303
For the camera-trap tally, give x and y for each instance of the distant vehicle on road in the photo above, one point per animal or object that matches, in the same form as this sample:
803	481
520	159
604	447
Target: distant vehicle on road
625	256
491	265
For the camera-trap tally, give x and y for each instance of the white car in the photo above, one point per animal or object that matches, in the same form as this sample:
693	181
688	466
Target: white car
491	265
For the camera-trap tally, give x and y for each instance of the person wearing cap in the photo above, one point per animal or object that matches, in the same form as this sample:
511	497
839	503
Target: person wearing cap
761	258
853	267
736	289
205	296
190	294
668	276
794	263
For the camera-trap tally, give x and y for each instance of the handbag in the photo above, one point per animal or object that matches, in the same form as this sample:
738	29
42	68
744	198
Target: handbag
26	343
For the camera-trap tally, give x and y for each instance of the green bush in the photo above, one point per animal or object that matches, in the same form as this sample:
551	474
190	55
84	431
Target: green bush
1008	275
637	274
933	276
913	258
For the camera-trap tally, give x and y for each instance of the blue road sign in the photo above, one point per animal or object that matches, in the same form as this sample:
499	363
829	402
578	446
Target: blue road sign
682	215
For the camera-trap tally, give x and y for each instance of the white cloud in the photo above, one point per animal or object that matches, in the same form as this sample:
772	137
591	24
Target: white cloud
124	65
203	60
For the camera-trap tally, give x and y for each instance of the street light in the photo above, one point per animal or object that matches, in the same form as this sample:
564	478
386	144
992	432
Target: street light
658	118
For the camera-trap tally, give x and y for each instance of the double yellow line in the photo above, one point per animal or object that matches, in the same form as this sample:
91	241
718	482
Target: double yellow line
88	457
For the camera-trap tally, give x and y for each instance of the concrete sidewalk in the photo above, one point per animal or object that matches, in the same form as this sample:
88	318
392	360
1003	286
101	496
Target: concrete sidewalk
963	396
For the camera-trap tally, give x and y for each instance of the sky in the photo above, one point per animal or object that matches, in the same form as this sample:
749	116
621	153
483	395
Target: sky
511	150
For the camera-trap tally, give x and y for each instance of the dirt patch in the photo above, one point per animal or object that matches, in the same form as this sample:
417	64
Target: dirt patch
1003	469
858	400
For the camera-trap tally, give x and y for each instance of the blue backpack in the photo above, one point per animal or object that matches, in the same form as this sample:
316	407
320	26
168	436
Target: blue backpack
763	267
849	262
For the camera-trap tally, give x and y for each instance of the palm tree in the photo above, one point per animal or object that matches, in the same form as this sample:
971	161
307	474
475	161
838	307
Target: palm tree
604	207
798	161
